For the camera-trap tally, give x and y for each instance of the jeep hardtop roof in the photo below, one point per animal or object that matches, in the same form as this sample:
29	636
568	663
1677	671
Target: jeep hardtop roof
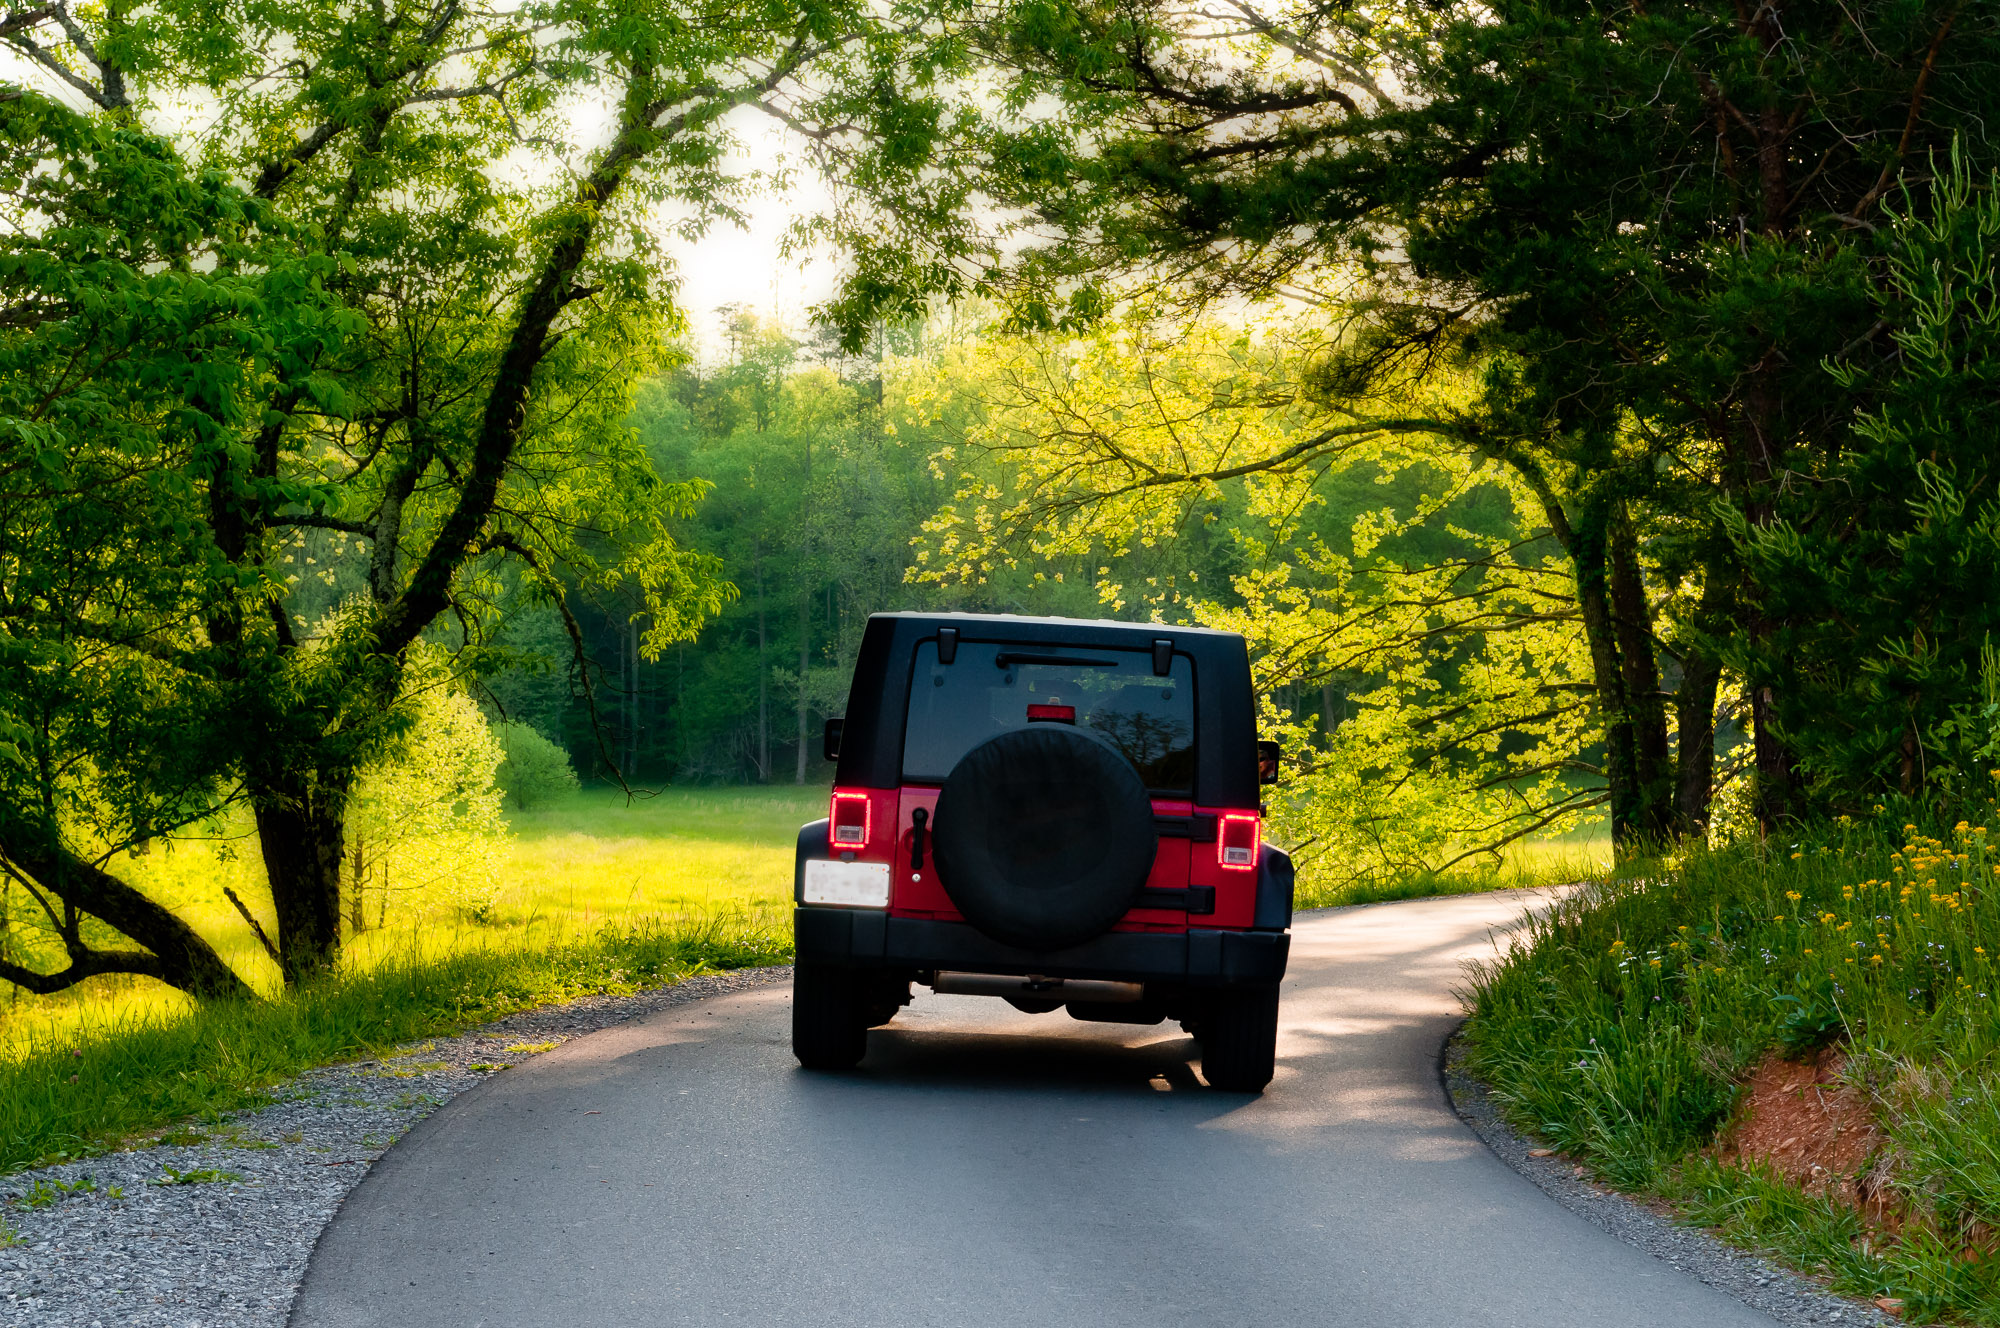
871	745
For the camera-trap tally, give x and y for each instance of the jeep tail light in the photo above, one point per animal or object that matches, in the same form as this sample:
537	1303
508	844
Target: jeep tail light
1061	714
1236	836
849	819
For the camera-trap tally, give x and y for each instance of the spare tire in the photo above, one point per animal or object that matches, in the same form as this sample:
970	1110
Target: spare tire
1043	837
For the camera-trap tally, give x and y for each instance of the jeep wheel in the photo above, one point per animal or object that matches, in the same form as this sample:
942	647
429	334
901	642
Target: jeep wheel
1239	1039
1043	837
828	1032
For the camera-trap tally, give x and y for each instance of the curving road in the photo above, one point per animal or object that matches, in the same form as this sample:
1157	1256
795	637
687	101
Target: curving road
987	1168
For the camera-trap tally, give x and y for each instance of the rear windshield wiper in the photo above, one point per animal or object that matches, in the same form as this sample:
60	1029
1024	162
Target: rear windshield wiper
1007	657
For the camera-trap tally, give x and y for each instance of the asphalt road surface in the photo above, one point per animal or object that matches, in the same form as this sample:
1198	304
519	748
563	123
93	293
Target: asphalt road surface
994	1169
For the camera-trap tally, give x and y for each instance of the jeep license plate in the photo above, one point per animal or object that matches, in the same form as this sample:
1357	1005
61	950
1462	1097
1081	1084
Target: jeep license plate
861	883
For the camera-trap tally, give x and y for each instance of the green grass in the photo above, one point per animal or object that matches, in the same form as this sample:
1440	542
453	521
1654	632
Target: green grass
1619	1030
590	861
122	1078
1574	857
601	896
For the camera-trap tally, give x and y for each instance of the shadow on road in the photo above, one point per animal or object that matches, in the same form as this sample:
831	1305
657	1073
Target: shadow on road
1033	1061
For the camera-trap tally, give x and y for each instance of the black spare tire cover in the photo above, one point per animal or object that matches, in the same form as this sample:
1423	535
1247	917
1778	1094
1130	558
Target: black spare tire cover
1044	837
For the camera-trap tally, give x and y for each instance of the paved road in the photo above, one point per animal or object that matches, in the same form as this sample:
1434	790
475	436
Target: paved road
994	1169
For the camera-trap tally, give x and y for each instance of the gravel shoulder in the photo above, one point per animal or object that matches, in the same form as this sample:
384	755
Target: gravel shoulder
212	1226
1777	1291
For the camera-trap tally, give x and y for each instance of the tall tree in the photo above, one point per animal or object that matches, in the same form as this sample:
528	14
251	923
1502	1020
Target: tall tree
337	323
1651	224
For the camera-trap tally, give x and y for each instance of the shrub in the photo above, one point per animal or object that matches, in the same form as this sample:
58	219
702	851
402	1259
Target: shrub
424	826
536	771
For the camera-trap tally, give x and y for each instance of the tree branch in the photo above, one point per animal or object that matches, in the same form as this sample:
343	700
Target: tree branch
643	126
180	956
83	964
255	926
317	522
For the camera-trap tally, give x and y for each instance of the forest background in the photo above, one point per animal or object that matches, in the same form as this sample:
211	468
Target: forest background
1578	406
1561	434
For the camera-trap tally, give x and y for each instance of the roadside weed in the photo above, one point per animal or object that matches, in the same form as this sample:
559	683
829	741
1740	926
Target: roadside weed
196	1176
407	1069
48	1193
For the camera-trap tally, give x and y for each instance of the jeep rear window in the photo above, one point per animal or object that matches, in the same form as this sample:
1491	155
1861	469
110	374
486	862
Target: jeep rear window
987	689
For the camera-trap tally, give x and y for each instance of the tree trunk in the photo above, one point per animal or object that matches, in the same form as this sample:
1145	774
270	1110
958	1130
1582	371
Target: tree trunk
1694	717
1590	556
300	824
638	700
763	683
805	662
357	915
176	954
1777	767
805	605
1632	621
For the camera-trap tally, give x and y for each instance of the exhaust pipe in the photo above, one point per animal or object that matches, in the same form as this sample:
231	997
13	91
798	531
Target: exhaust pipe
1037	988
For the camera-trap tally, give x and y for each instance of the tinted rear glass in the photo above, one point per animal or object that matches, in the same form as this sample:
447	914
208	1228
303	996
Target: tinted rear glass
987	690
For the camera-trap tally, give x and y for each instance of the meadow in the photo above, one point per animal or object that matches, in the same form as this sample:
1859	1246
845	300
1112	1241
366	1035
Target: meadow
590	859
600	894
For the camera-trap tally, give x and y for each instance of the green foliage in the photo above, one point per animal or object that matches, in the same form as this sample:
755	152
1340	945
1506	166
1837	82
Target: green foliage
535	772
1643	233
424	822
817	494
1884	571
1383	575
826	469
335	371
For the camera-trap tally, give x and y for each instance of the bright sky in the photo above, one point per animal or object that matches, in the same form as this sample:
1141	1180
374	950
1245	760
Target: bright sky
743	265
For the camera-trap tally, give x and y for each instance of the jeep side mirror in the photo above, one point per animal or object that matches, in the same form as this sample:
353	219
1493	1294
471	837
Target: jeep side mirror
1267	761
830	741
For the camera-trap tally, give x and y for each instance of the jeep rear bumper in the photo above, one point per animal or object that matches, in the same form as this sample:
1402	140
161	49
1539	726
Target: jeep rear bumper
863	938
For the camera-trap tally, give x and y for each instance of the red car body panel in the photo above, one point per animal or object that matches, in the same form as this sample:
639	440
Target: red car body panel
915	891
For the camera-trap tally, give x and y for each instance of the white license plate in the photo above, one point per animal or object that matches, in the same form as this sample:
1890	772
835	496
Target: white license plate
856	883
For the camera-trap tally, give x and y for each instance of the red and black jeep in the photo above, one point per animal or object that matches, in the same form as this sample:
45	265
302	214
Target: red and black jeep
1063	814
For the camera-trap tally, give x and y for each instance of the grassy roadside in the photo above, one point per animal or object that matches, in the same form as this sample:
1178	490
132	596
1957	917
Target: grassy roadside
1621	1030
115	1080
589	861
601	896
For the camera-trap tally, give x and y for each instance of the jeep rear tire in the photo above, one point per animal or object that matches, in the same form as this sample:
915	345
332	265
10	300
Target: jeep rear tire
829	1031
1239	1039
1043	837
